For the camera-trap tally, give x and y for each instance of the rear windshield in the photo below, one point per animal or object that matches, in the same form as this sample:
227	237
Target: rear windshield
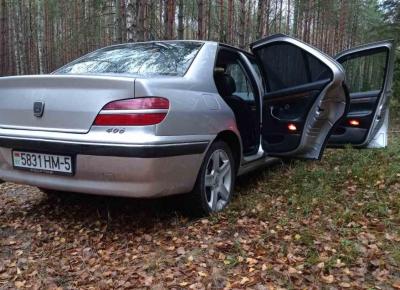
141	59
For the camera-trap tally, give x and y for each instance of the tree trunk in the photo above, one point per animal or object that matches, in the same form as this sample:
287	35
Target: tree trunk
131	21
288	18
4	38
141	10
221	21
180	20
40	40
248	33
230	21
260	18
200	19
170	20
280	16
267	26
118	21
242	16
209	24
295	16
342	23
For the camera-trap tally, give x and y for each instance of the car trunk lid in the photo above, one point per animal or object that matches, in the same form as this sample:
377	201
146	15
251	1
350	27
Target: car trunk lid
71	102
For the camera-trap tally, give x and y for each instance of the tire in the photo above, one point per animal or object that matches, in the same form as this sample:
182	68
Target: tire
215	182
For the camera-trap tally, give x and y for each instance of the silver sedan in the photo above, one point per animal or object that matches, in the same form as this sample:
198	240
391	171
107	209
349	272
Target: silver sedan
171	117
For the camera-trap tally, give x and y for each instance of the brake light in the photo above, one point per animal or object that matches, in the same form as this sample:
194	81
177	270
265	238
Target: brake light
133	112
138	104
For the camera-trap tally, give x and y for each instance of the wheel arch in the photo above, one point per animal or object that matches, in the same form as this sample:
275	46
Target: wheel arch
233	141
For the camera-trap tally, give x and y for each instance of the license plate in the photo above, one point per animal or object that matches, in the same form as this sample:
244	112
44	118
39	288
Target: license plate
40	162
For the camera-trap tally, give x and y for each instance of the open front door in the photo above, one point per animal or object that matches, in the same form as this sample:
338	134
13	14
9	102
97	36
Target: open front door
369	74
305	97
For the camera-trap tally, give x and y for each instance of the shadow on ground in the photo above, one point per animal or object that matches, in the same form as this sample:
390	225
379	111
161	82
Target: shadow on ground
119	213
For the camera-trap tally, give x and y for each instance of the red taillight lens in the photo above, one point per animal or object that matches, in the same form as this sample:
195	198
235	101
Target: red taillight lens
133	112
138	104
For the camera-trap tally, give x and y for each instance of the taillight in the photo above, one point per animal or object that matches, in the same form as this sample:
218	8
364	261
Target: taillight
133	112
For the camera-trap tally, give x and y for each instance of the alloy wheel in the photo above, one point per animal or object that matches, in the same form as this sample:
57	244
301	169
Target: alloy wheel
218	180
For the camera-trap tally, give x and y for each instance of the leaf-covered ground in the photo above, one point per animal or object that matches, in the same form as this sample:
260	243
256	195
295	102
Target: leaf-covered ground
329	224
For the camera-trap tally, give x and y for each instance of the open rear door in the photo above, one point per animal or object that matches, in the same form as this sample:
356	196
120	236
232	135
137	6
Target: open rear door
369	74
305	97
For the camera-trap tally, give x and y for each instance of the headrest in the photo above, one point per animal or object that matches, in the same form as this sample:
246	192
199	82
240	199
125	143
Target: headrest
225	84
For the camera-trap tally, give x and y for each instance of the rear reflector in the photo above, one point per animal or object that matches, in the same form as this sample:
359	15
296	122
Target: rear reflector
133	112
129	119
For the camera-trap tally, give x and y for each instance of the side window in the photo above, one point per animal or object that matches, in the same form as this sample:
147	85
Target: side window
365	73
256	68
244	88
287	66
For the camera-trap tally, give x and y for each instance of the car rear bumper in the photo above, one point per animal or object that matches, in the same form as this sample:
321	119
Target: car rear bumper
108	169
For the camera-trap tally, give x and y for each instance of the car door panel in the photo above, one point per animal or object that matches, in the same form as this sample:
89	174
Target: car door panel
305	97
369	72
361	111
288	107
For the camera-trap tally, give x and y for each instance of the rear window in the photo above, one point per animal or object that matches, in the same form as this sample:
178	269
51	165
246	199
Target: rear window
141	59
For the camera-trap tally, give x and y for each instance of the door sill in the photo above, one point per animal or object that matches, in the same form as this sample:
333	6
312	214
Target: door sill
256	161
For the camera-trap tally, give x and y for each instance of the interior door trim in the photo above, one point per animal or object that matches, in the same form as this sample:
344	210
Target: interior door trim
295	92
327	109
384	94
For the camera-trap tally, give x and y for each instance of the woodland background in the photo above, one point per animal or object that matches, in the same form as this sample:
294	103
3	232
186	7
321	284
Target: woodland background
38	36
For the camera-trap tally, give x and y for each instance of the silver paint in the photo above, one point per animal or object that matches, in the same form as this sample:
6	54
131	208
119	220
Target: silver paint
197	114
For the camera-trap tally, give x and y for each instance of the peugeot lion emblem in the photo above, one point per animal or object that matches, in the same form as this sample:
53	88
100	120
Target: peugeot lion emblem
38	109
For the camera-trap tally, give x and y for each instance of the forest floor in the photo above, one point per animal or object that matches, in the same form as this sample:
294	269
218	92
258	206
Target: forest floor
329	224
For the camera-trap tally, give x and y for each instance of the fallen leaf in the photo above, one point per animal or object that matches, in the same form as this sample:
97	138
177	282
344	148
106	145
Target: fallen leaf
329	279
244	280
345	285
19	284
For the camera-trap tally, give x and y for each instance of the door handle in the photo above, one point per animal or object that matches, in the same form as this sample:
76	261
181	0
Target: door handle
271	108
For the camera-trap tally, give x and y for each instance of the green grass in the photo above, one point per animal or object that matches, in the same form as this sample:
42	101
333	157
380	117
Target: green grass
349	183
348	193
395	254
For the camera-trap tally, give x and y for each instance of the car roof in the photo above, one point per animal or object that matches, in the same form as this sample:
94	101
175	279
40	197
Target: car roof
185	40
236	48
